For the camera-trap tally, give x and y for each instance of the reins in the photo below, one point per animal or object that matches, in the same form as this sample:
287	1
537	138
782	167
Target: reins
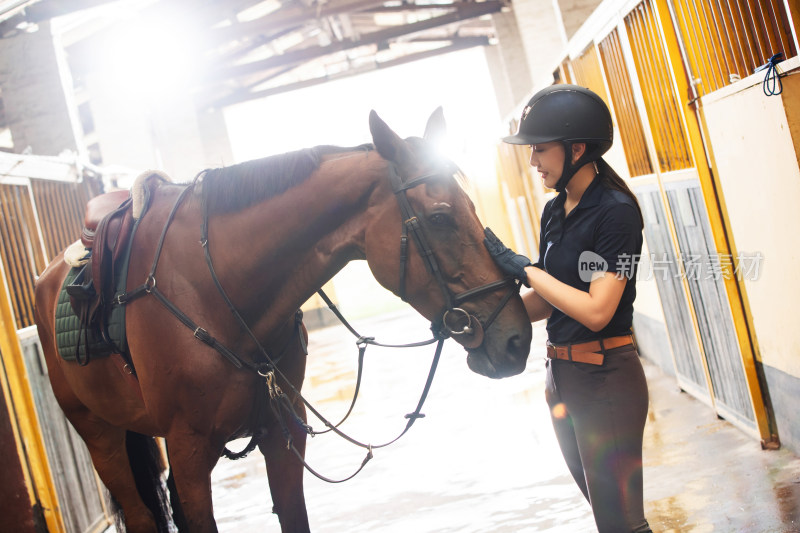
361	343
267	368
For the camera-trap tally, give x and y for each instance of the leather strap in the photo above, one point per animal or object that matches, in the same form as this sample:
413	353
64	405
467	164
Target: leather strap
587	352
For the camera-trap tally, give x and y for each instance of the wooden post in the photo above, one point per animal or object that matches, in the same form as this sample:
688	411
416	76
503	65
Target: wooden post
23	418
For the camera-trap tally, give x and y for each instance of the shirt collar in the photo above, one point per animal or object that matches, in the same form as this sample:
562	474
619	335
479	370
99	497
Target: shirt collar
591	196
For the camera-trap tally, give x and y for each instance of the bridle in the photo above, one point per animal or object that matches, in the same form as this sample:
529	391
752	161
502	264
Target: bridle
472	329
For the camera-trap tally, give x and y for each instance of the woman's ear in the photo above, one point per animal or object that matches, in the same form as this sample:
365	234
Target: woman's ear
578	149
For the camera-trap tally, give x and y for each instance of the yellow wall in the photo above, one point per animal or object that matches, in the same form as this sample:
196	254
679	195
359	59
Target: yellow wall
756	165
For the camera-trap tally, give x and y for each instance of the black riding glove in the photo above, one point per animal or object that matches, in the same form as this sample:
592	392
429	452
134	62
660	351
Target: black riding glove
510	262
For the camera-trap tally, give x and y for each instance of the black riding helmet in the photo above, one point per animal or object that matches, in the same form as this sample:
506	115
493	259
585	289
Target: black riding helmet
569	114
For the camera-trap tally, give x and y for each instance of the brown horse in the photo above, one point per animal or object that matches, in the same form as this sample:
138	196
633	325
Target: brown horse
275	230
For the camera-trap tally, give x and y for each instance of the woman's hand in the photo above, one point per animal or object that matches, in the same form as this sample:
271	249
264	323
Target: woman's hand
511	263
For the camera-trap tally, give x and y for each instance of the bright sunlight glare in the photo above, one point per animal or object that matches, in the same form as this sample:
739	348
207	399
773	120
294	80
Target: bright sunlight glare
150	57
404	96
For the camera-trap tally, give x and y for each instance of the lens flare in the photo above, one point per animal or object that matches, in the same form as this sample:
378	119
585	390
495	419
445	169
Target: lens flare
559	410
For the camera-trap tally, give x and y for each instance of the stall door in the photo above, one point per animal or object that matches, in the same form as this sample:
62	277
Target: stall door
80	495
705	271
665	270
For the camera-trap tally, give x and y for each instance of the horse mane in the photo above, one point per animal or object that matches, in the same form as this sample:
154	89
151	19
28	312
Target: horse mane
230	189
236	187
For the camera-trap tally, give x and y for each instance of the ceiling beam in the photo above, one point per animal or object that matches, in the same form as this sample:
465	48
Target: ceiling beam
36	11
459	43
405	7
296	15
198	15
464	11
48	9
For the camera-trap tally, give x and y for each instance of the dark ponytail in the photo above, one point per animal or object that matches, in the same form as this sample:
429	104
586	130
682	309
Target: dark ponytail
612	180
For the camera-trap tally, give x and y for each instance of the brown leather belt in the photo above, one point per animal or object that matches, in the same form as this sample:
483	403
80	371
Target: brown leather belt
587	352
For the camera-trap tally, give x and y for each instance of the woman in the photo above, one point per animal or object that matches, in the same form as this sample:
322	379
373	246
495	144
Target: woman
584	284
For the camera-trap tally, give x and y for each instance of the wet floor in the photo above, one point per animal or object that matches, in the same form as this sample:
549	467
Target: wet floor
485	460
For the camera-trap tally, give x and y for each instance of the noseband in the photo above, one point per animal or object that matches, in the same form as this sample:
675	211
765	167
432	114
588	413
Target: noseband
453	317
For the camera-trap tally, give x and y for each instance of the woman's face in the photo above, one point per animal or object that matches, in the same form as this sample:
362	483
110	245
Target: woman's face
548	158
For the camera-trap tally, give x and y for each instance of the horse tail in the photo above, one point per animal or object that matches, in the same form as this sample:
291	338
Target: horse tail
148	466
177	511
116	513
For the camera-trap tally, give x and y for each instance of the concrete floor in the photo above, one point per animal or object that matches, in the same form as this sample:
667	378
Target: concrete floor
484	460
702	474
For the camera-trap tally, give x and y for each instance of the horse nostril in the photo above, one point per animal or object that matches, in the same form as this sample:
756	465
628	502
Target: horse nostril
516	346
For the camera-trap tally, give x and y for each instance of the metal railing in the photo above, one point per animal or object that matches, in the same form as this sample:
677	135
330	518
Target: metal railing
629	120
658	88
38	219
726	40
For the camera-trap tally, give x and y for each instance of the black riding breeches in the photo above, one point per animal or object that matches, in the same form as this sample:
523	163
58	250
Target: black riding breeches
599	413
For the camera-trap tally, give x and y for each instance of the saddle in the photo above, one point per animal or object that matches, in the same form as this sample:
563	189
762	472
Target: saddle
106	236
94	291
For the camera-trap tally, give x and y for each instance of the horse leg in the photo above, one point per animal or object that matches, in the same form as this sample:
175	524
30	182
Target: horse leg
108	450
285	473
191	459
107	445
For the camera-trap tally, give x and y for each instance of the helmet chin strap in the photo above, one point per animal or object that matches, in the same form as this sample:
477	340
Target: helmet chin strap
570	168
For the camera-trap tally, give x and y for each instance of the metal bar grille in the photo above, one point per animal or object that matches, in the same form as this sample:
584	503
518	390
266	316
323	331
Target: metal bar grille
587	71
629	121
726	40
655	78
17	250
61	207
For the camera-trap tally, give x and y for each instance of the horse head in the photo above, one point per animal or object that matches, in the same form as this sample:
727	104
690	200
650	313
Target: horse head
438	263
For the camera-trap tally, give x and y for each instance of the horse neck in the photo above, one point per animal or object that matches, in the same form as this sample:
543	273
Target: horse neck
299	240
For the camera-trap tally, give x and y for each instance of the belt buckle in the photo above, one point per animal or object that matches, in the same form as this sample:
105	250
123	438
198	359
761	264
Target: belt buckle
563	352
552	348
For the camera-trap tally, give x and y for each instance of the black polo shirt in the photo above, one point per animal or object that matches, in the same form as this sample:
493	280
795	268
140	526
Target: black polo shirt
602	233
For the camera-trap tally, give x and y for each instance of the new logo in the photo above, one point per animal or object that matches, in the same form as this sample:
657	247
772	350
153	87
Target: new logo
590	263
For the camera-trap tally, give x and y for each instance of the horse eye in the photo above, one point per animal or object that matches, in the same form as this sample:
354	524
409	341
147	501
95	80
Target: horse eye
440	219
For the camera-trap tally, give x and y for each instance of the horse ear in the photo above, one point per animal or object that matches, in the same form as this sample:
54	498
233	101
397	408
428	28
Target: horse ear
436	128
387	142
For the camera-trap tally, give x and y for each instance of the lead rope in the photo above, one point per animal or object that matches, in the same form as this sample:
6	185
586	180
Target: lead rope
772	84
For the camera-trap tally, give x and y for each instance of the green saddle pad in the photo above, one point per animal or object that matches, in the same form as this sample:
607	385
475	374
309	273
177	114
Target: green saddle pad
71	341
